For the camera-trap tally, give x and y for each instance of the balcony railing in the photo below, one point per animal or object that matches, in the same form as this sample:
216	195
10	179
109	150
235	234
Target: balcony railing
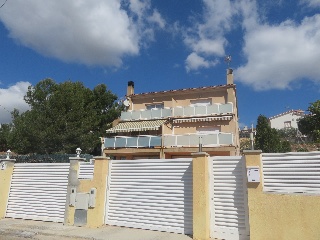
189	140
192	140
187	111
132	142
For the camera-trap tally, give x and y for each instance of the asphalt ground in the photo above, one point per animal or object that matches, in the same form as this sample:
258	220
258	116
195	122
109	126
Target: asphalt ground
18	229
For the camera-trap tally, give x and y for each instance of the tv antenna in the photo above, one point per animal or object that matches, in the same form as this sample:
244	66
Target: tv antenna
228	59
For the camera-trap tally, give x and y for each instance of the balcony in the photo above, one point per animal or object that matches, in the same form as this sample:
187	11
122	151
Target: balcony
192	140
143	141
188	111
188	140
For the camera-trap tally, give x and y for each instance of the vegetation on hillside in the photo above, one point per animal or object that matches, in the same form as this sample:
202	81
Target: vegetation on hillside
268	139
305	138
62	117
310	123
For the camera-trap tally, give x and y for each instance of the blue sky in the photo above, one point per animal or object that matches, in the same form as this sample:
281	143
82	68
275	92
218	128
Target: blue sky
164	45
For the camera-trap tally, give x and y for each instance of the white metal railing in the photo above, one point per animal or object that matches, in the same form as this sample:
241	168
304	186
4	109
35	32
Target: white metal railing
291	173
187	111
191	140
186	140
132	142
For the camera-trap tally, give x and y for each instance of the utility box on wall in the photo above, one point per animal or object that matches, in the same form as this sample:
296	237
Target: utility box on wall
253	174
82	201
81	209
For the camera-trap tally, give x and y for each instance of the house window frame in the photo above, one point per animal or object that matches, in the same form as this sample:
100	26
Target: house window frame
200	102
154	106
287	124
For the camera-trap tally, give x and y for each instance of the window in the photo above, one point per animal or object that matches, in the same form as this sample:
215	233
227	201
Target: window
155	105
287	124
200	102
208	130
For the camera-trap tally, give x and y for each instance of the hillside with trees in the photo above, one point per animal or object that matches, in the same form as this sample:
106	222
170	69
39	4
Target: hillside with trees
62	117
305	138
310	123
268	139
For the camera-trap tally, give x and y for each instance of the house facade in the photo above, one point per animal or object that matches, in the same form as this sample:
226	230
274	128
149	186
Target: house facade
176	123
287	119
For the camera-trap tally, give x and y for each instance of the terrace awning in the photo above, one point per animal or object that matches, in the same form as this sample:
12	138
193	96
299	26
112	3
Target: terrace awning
203	119
135	126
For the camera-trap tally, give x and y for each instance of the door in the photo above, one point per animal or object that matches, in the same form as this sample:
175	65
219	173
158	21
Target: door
229	204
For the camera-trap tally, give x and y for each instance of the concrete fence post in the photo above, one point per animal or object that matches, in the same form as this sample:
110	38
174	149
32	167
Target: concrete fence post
6	170
95	187
201	203
96	215
253	159
73	183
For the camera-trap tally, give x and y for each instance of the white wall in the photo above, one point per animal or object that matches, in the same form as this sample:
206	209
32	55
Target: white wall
279	122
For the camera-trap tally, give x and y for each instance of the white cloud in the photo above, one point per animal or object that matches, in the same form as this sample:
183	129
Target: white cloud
279	55
206	37
92	33
311	3
139	7
12	97
157	19
194	62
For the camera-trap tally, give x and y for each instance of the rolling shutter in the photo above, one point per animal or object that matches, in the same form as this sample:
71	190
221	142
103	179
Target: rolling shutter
229	199
153	194
38	191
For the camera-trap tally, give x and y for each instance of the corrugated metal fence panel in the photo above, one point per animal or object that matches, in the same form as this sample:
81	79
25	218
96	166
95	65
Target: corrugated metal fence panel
86	170
151	194
229	204
297	173
38	191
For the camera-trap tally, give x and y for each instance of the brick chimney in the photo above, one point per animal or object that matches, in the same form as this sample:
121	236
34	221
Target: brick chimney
229	76
130	88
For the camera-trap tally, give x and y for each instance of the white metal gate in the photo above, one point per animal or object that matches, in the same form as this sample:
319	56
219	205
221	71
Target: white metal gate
38	191
229	204
151	194
291	173
86	170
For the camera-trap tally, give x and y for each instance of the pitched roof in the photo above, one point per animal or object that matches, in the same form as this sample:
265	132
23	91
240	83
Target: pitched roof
185	90
298	112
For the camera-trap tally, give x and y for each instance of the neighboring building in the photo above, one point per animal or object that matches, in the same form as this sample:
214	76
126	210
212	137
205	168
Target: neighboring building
246	136
287	119
172	124
245	132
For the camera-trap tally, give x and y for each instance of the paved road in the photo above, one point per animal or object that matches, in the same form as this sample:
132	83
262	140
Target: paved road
16	229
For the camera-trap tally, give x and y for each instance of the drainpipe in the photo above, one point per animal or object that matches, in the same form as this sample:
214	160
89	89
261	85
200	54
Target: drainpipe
200	144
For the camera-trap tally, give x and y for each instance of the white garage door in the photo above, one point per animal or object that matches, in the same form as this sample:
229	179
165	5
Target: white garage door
151	194
38	191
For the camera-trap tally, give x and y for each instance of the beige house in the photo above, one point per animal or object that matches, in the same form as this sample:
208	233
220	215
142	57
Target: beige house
176	123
